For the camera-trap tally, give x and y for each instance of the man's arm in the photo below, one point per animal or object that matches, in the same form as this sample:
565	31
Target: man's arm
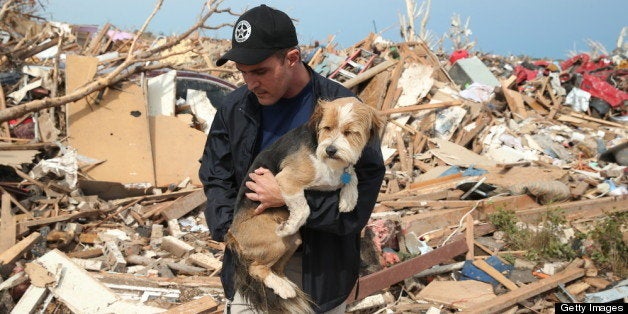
217	175
324	214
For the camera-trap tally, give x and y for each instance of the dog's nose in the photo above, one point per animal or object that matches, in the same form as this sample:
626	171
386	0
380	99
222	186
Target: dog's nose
331	151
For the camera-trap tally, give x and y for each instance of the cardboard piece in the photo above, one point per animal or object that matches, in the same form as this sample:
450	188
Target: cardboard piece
115	130
177	149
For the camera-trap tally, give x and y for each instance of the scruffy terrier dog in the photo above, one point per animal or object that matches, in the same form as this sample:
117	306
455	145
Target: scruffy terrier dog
318	155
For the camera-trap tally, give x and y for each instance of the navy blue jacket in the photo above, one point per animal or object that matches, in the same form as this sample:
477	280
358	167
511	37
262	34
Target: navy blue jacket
331	246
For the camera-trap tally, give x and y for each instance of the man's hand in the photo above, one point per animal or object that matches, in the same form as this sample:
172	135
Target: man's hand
265	190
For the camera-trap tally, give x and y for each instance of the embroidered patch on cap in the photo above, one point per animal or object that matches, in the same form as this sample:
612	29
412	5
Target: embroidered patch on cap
242	31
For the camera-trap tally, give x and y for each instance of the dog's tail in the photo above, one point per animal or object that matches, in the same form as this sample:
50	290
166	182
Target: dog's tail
262	298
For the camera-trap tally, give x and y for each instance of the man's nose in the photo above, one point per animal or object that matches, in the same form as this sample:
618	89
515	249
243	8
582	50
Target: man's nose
250	81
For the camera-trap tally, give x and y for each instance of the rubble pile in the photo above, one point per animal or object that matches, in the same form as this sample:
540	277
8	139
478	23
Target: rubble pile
505	189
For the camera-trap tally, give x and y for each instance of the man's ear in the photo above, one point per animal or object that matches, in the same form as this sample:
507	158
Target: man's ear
294	56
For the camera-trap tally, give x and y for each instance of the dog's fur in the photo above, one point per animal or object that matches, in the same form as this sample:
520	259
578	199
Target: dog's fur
314	156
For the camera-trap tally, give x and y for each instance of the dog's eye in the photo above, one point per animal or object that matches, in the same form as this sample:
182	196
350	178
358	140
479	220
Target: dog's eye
347	133
326	128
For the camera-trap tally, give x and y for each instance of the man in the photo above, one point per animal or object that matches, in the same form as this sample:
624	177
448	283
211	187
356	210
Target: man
280	94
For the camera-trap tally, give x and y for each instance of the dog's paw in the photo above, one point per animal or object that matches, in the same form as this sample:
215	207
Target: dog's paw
284	230
345	206
281	286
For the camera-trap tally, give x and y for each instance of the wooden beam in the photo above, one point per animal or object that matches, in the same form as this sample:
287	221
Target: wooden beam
201	305
503	301
491	271
184	205
515	102
29	302
5	131
414	108
469	237
392	87
185	281
447	178
7	225
17	203
81	293
10	255
578	209
375	282
600	121
44	221
426	187
369	73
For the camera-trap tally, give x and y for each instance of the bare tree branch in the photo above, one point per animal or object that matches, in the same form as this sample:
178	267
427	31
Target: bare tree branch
5	8
135	62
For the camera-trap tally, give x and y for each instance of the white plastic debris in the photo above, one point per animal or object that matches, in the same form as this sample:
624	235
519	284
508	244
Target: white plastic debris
578	99
65	166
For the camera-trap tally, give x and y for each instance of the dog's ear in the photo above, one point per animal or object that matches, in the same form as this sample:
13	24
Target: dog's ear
377	121
316	117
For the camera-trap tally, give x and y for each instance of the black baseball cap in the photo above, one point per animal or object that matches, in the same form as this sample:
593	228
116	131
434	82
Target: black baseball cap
258	33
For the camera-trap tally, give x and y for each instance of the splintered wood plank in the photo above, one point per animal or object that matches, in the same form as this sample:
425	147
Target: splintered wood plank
392	87
186	281
77	289
384	278
491	271
505	300
515	102
438	180
10	255
464	294
368	73
184	205
7	225
469	237
114	128
534	104
30	300
578	209
206	303
205	260
375	91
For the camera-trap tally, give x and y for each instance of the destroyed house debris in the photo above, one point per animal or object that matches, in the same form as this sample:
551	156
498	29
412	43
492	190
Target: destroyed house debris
505	188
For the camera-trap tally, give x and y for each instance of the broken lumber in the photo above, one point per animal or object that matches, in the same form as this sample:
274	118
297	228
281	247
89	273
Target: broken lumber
186	281
10	255
184	205
507	299
201	305
7	224
414	108
369	73
578	209
76	289
30	300
484	266
382	279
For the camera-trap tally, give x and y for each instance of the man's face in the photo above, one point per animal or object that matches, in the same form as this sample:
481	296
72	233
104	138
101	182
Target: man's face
270	79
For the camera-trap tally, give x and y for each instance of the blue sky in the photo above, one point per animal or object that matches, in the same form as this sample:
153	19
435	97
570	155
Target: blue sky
537	28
